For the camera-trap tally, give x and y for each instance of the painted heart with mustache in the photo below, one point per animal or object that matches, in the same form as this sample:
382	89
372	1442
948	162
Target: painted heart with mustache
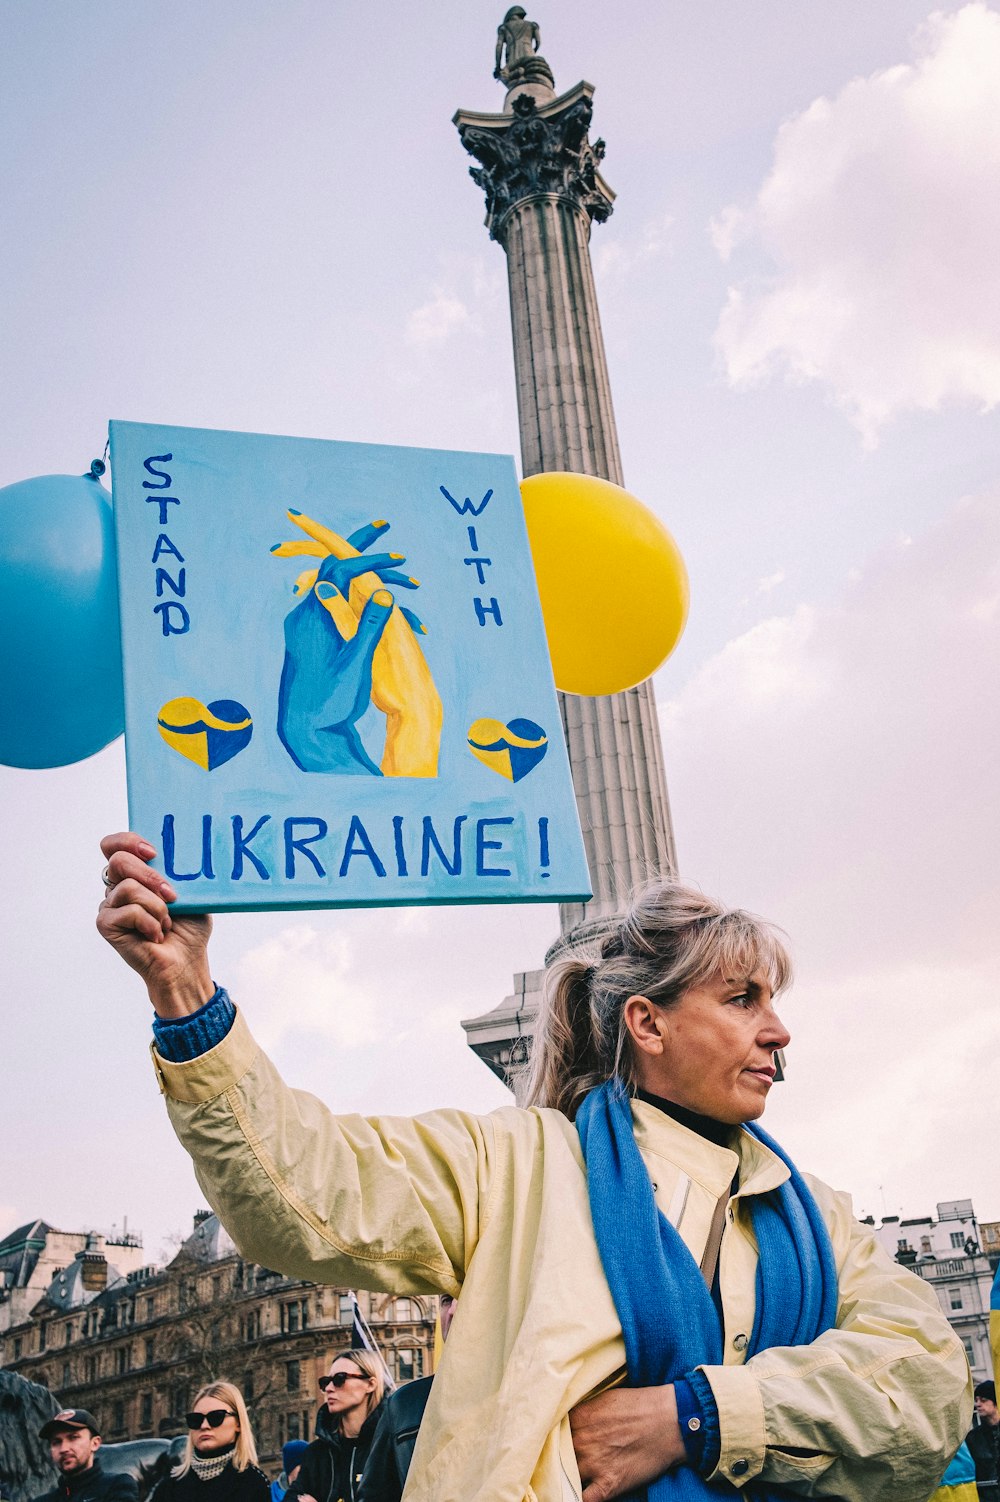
207	734
512	750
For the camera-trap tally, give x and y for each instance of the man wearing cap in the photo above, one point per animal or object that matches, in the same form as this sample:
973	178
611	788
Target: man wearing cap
74	1440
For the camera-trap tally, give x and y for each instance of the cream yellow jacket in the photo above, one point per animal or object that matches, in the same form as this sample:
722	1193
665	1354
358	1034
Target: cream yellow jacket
496	1208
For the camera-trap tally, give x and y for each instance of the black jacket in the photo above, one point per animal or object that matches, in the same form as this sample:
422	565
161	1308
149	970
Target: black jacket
392	1448
250	1485
92	1485
984	1446
332	1466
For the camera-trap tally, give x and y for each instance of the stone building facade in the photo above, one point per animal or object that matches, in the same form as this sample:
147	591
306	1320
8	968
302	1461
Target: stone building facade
949	1253
134	1347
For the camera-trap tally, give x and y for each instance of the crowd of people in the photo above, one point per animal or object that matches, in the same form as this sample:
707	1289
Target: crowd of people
361	1452
654	1299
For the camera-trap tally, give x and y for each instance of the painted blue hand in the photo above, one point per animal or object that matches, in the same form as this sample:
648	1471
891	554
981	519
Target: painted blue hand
342	656
326	679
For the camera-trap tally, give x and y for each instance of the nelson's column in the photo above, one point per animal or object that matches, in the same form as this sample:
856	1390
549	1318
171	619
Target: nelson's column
541	176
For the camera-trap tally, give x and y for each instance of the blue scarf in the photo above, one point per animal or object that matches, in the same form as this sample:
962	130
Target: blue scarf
668	1318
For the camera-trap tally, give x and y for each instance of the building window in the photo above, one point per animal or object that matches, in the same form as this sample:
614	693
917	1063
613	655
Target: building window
294	1317
68	1334
957	1239
17	1348
150	1350
293	1426
179	1401
65	1375
150	1308
409	1364
250	1328
403	1310
970	1354
146	1412
118	1423
216	1288
956	1298
122	1362
925	1244
292	1376
91	1368
345	1312
248	1387
305	1423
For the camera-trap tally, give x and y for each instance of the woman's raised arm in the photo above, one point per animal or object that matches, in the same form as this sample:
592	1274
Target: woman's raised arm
171	954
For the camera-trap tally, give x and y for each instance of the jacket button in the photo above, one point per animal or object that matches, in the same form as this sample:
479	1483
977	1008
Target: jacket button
739	1467
740	1342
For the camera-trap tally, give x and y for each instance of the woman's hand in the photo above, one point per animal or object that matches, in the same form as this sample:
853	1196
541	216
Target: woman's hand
624	1439
171	955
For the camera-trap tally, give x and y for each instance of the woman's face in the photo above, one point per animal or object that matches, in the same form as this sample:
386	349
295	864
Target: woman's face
346	1395
208	1441
718	1045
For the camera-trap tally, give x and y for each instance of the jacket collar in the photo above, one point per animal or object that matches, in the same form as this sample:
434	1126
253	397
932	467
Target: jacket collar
713	1167
70	1485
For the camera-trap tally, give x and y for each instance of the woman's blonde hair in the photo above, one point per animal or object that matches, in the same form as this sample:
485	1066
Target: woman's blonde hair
671	938
245	1453
369	1365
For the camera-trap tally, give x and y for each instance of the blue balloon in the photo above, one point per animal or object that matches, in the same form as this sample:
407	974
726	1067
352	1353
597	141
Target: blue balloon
60	643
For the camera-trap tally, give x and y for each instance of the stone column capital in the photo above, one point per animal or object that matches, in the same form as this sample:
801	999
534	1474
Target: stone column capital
534	152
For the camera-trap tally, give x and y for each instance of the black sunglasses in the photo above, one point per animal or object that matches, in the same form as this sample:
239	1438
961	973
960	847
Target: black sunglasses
214	1418
337	1380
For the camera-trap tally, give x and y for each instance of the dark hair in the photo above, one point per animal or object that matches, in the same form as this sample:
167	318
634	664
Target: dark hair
671	938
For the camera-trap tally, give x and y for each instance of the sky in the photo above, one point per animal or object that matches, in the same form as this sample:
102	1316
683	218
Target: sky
258	216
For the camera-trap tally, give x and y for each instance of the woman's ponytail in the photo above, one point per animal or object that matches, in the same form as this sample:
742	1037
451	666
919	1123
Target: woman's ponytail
565	1053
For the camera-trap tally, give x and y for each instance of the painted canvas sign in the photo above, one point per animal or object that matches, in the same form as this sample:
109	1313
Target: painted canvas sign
337	686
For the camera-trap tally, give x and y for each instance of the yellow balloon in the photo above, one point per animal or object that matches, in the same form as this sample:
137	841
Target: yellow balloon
612	582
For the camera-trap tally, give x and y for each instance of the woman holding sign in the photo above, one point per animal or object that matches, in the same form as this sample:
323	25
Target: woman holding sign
631	1225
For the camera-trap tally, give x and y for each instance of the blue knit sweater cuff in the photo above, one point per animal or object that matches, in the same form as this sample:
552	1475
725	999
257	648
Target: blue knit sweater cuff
181	1039
696	1405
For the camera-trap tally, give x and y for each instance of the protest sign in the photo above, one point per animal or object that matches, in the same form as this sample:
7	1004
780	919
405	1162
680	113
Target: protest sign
337	686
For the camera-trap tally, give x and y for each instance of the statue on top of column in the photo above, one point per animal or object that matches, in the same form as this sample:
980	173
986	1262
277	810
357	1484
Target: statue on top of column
518	60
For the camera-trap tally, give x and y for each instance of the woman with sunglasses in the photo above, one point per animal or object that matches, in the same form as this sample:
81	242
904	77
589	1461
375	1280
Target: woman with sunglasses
651	1292
219	1463
334	1463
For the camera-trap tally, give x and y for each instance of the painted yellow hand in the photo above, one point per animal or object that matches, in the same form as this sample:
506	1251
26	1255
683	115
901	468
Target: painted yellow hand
403	687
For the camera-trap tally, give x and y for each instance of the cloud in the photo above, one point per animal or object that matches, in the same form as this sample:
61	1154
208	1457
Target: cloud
435	321
770	581
617	260
835	769
880	221
455	304
304	980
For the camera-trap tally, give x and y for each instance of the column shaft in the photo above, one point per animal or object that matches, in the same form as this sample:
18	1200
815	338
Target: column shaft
567	422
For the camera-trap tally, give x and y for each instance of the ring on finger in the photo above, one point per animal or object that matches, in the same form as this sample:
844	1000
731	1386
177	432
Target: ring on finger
106	878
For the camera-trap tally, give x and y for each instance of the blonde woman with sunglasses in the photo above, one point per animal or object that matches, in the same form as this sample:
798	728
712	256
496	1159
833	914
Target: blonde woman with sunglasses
333	1465
220	1459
